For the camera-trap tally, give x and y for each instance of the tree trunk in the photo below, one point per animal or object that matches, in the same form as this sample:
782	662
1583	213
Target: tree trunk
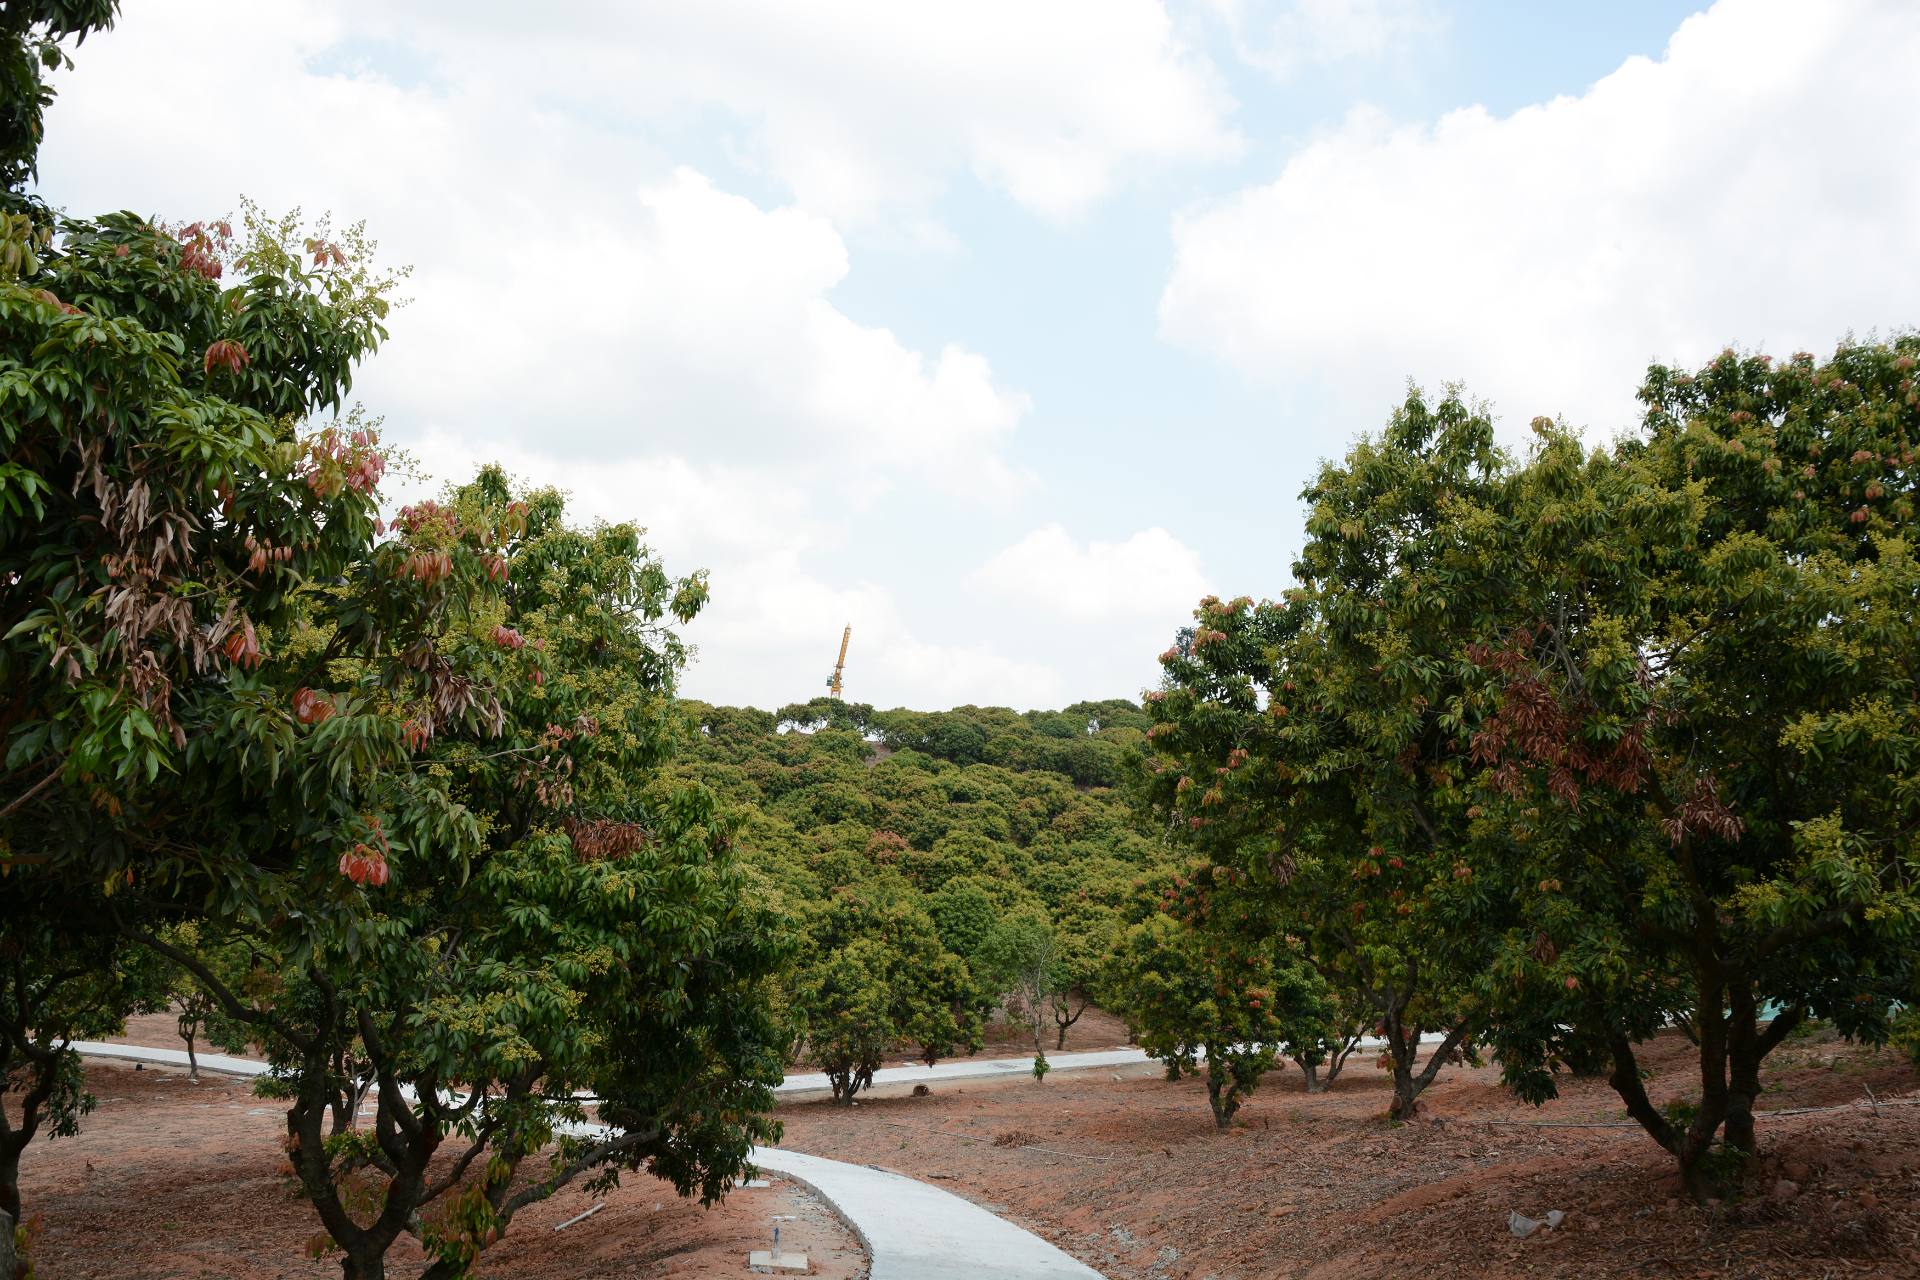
193	1062
1625	1079
1338	1061
13	1141
368	1264
346	1115
1312	1072
1748	1047
1060	1017
1406	1095
10	1180
1403	1045
1731	1050
9	1260
1697	1140
849	1080
409	1153
1221	1099
1743	1069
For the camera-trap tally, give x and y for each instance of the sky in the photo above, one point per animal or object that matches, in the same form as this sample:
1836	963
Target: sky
1004	331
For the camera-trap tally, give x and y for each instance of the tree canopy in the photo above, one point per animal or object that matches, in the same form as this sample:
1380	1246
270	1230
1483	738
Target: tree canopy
387	796
940	865
1306	742
1555	751
1698	730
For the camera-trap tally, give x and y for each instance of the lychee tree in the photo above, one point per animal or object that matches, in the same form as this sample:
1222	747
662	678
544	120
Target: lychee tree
542	918
1207	998
964	911
1083	931
1699	736
162	504
198	1016
169	516
65	975
1309	742
363	757
1020	960
871	978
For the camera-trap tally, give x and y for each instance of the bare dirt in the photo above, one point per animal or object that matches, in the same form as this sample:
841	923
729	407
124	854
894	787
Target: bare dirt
1131	1176
1000	1038
162	1031
170	1180
1095	1029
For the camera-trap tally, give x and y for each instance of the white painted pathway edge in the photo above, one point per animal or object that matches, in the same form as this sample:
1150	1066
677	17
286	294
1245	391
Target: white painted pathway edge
912	1230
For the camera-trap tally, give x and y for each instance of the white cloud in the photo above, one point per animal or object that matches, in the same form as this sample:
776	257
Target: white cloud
785	622
863	106
1149	576
594	315
1748	187
703	323
570	285
1281	37
1096	611
768	636
693	512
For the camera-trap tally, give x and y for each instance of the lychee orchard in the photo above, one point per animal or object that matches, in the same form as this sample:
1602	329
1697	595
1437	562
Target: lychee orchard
1541	758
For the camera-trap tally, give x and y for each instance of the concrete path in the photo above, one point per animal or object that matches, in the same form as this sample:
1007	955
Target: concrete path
973	1069
916	1231
999	1068
170	1057
804	1082
912	1230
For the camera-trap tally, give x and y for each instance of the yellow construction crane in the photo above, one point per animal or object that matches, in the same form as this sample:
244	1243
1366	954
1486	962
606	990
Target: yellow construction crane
833	681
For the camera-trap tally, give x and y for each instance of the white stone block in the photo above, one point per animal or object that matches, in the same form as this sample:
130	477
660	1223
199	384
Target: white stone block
767	1260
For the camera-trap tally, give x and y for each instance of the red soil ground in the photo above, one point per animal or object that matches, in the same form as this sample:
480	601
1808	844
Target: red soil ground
1128	1174
1096	1029
1135	1180
169	1180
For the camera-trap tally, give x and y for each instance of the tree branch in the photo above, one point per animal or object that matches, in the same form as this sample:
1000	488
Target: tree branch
482	1136
1821	926
1779	1029
27	795
1625	1079
219	990
597	1154
1443	1052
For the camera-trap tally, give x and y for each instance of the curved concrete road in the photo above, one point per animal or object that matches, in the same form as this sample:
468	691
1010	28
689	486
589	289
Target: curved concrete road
916	1231
912	1230
972	1069
804	1082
